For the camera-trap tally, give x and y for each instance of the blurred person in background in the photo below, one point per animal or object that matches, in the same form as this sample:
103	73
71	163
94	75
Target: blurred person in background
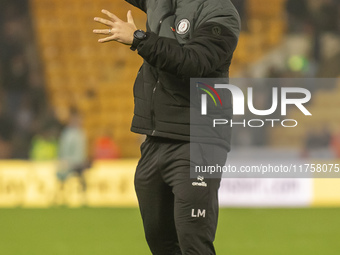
335	142
45	144
323	17
13	44
318	143
105	147
241	7
298	15
15	80
38	99
338	19
72	150
6	133
24	128
326	16
21	85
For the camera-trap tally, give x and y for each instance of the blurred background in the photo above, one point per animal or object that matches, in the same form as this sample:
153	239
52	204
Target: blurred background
66	104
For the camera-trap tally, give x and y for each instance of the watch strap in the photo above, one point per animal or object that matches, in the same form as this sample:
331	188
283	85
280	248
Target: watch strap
135	43
138	36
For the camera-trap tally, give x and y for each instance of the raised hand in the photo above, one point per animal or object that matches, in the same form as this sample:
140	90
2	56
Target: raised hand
118	30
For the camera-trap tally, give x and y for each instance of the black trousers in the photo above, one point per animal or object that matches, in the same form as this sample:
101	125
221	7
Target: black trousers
179	213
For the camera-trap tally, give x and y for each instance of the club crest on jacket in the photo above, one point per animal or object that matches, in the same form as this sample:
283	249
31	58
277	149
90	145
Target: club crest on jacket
183	26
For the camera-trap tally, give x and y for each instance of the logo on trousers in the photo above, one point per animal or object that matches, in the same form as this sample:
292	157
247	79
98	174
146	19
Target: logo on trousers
200	182
198	213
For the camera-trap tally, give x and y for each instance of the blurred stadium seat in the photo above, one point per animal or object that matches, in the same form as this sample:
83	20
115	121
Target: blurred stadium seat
76	65
324	108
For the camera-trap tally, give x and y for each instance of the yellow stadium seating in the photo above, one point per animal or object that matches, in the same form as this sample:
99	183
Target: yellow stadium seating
98	78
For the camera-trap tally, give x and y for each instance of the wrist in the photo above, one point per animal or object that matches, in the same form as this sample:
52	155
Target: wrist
138	36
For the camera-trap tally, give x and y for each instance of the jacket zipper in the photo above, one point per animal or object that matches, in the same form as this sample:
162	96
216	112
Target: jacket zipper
162	19
155	87
152	108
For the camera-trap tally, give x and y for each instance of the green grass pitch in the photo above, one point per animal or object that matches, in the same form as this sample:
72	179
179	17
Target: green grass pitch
90	231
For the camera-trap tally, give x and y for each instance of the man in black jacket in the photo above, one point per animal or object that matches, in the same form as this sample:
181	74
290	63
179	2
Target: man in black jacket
184	39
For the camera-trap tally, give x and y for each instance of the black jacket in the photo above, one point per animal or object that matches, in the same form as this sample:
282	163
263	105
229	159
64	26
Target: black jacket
185	39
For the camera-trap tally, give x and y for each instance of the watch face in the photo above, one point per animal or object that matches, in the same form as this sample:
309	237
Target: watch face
139	34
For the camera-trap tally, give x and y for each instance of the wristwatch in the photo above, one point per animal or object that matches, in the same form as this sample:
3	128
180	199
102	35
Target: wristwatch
138	36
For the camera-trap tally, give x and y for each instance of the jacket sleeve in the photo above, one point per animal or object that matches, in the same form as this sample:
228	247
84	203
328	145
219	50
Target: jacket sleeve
210	47
140	4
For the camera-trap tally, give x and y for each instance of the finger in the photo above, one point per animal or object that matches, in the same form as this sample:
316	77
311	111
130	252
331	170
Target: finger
130	18
104	21
111	15
102	31
108	39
